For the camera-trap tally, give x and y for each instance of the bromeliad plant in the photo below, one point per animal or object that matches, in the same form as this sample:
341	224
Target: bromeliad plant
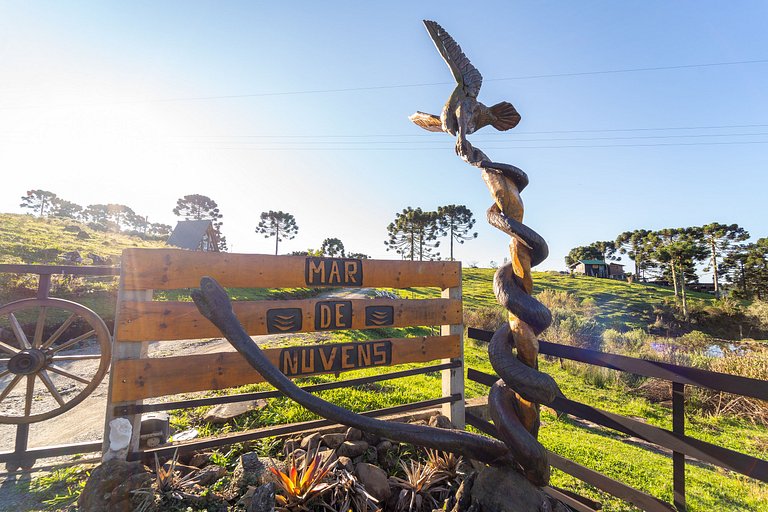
350	495
421	489
303	483
446	463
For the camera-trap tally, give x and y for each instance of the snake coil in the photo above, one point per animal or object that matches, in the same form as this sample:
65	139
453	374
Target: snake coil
513	351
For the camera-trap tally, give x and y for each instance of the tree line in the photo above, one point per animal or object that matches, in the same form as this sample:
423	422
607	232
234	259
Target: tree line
119	218
414	232
673	255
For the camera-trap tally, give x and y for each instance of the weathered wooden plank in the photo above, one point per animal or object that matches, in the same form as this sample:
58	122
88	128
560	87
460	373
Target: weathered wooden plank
134	379
143	321
164	269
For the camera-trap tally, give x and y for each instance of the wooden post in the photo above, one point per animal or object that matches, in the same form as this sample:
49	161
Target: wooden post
678	459
453	378
122	351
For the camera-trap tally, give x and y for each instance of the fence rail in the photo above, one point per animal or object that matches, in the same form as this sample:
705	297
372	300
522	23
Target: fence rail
675	440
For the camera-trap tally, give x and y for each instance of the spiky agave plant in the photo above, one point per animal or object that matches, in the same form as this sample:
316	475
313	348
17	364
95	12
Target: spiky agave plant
420	489
350	495
447	463
169	484
303	483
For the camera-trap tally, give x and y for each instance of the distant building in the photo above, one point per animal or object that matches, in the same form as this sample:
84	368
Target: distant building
195	235
598	268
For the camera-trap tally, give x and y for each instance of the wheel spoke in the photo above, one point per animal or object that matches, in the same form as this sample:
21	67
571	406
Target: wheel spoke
39	327
65	373
8	348
59	331
10	387
18	331
49	384
75	358
30	395
74	341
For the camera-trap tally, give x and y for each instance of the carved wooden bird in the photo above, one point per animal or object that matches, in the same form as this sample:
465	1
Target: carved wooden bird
462	113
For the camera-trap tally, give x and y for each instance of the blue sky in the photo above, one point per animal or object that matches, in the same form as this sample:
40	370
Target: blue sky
140	103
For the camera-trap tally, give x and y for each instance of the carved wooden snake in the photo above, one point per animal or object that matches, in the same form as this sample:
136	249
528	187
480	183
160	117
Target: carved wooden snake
513	350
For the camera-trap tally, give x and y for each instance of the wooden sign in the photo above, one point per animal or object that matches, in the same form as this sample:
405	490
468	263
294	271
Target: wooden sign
379	316
284	320
168	269
333	314
333	272
137	379
308	360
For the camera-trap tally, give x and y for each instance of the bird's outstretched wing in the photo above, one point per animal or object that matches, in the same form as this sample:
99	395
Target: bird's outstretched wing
429	122
463	71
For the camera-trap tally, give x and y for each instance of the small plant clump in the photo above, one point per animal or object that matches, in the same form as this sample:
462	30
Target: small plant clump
303	483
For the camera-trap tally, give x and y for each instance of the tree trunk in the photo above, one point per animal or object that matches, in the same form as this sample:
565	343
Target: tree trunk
674	277
714	267
682	292
451	242
277	239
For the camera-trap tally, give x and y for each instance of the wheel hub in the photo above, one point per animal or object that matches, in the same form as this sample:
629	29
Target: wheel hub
27	362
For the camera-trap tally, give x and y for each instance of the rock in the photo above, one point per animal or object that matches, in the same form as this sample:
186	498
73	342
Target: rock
327	456
346	463
370	438
110	484
263	499
382	448
310	442
200	460
253	470
121	497
290	445
374	479
222	413
352	449
209	474
499	489
353	434
296	455
440	421
333	440
72	229
83	235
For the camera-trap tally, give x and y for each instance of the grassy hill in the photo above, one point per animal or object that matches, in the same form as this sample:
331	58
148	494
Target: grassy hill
35	240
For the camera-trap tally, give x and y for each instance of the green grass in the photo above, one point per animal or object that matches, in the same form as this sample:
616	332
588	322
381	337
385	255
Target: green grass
616	303
603	450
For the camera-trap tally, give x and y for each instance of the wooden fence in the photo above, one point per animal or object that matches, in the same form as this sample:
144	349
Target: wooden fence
681	445
140	320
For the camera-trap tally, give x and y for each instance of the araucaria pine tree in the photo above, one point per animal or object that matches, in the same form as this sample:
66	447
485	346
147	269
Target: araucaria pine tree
413	234
456	222
280	225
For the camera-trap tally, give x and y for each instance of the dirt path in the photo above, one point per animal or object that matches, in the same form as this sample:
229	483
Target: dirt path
85	422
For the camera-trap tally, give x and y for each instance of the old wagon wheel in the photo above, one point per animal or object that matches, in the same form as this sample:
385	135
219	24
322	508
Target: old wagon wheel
56	342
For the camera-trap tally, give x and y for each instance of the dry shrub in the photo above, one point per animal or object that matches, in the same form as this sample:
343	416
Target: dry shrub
488	318
753	365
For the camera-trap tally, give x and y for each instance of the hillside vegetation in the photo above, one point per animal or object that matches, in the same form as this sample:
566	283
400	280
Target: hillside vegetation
35	240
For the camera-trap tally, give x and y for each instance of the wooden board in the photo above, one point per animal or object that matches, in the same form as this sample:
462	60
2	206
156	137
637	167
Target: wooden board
137	379
165	269
155	321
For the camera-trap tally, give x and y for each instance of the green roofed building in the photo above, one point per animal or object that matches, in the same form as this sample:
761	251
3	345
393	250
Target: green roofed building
598	268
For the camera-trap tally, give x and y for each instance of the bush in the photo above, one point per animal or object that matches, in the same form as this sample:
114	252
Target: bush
488	318
753	365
